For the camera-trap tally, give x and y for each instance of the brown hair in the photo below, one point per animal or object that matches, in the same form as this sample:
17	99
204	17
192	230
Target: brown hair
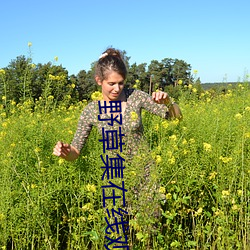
110	60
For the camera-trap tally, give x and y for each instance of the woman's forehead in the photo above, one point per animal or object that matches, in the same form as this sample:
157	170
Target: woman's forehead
114	76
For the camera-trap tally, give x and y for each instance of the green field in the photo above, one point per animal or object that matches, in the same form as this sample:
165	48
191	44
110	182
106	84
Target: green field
203	163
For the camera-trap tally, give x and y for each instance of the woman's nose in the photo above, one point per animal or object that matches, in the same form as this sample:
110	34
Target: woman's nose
116	87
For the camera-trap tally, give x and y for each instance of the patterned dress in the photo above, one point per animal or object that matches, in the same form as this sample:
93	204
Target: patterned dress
143	191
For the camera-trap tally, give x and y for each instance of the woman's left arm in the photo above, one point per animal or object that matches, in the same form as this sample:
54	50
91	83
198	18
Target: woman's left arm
161	97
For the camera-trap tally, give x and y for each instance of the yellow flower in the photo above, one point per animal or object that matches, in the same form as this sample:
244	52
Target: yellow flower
56	58
164	124
158	159
190	86
91	188
207	147
87	207
171	160
225	159
247	135
3	97
173	137
239	192
2	217
33	186
156	127
9	154
184	141
191	140
212	175
198	212
81	219
247	108
13	103
162	190
50	97
195	71
175	122
133	173
61	161
137	81
2	72
238	116
96	96
4	124
90	217
133	116
29	44
180	82
218	212
135	86
225	193
235	207
51	77
37	149
168	196
194	90
73	85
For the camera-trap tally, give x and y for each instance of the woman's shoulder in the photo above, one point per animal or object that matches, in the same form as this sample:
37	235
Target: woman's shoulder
136	93
90	108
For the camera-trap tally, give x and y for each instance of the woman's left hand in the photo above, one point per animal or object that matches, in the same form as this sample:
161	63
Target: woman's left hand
161	97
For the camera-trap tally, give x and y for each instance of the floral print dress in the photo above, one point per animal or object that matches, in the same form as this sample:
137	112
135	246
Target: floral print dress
144	189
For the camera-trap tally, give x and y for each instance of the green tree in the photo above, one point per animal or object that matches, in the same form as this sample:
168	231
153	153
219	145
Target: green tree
18	79
52	80
138	73
86	84
181	71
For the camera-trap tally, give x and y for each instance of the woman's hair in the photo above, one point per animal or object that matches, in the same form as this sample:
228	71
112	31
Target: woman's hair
110	60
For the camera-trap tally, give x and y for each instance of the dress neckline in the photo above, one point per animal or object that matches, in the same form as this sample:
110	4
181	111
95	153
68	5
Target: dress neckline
124	109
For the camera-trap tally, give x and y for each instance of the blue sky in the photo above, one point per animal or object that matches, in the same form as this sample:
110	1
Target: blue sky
212	36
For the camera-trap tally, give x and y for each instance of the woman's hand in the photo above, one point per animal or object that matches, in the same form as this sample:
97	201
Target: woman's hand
161	97
61	149
65	151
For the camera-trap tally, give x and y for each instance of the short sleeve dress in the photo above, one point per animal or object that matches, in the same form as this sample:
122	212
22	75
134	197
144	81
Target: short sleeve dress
142	192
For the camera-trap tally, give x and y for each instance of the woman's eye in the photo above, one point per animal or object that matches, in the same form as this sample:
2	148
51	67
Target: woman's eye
112	84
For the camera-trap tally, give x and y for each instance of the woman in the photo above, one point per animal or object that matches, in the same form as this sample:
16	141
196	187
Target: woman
110	74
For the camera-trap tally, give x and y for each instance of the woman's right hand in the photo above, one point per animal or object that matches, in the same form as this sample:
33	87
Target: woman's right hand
61	149
66	151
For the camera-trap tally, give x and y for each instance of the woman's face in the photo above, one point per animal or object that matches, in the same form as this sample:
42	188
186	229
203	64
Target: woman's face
112	86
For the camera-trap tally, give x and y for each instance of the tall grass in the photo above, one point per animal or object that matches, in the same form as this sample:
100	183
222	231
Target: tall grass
203	163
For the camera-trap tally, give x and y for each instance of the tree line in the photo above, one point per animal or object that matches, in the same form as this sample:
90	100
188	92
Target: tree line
22	79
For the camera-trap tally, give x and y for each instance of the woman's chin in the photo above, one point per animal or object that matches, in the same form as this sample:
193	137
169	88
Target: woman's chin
114	96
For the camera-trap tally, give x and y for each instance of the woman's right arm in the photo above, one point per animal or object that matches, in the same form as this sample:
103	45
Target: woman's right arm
70	152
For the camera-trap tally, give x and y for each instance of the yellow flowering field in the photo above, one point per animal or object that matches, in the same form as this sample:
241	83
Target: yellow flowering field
202	166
